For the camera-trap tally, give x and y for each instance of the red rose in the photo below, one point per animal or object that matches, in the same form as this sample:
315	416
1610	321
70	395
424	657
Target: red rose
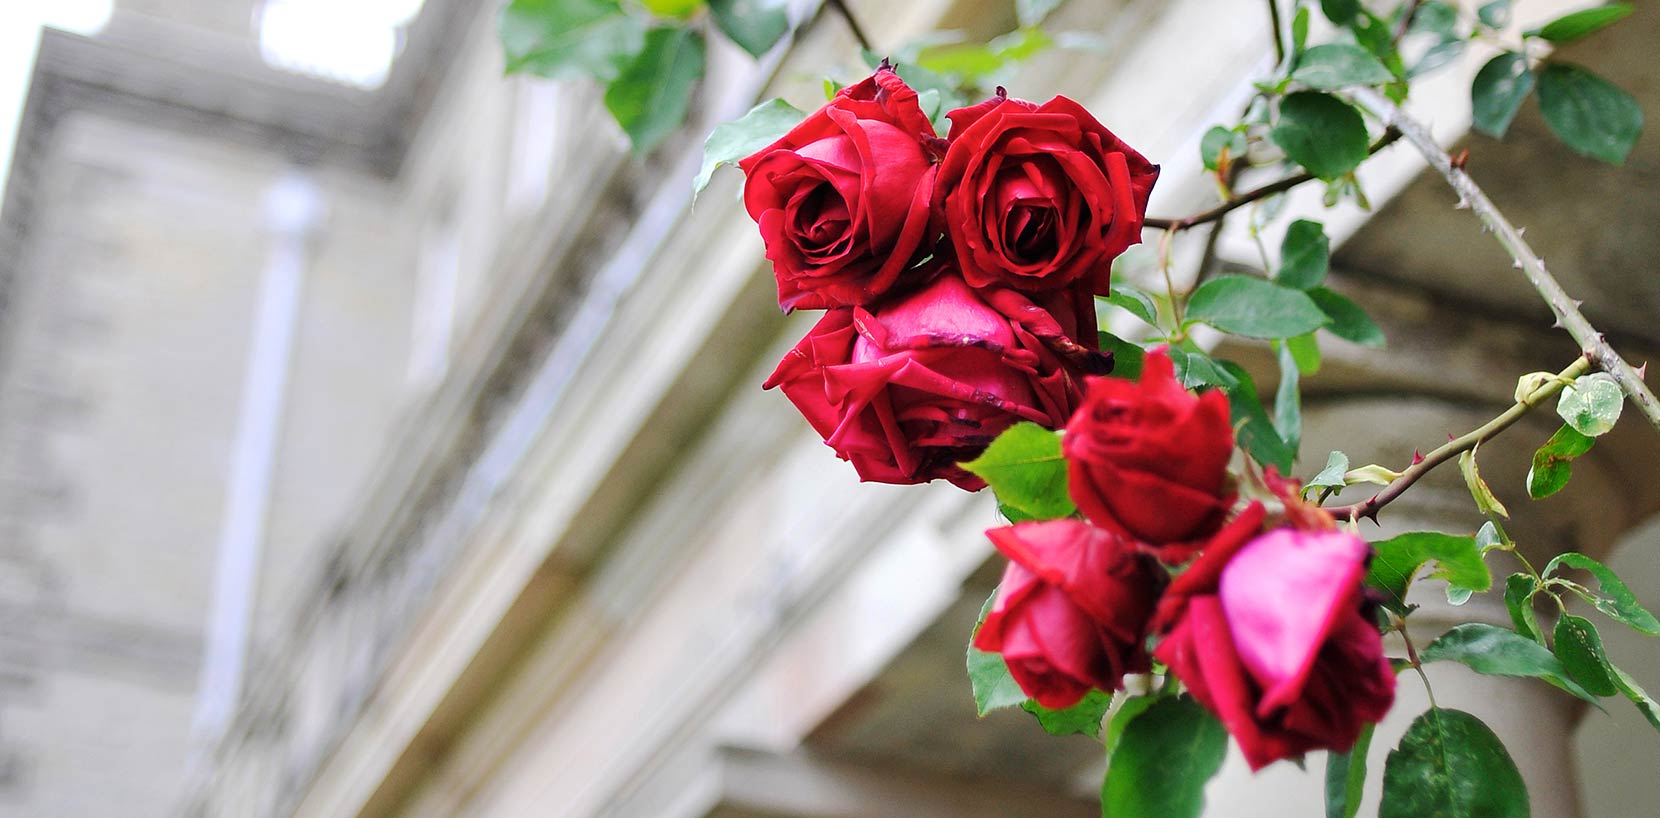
1149	460
908	388
1039	196
1272	637
1071	613
843	199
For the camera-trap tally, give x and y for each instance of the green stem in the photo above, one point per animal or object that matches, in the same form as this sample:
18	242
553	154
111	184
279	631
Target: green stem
1459	445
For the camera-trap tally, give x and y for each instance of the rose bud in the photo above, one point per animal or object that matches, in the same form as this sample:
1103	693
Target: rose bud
1273	637
843	199
913	386
1037	197
1149	460
1071	613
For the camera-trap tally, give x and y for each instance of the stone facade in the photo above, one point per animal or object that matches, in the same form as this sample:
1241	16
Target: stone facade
534	542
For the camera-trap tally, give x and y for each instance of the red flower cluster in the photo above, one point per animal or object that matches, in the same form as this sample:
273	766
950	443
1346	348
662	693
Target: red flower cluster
959	278
958	274
1267	629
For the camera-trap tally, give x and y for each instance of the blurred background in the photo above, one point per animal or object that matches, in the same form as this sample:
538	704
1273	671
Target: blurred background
378	437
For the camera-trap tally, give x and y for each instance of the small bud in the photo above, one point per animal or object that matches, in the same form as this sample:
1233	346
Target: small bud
1002	93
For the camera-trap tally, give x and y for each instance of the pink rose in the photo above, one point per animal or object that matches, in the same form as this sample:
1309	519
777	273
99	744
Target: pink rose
1273	637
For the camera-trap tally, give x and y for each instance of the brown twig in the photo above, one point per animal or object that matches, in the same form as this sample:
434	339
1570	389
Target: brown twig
1252	195
1406	19
1568	316
858	31
1459	445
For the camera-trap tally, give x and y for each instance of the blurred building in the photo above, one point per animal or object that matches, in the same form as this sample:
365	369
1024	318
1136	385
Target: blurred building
389	442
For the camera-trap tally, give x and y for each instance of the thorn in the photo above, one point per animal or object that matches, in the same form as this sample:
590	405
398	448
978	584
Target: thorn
1557	324
1521	231
1417	457
1459	160
1463	204
1517	264
1577	303
1451	437
1642	371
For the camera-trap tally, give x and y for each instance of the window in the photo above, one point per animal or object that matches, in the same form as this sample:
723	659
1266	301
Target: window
351	42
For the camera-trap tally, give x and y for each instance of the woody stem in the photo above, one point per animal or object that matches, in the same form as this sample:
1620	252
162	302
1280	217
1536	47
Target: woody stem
1590	341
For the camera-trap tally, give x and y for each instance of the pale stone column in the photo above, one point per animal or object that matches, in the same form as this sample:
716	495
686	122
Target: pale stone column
1534	720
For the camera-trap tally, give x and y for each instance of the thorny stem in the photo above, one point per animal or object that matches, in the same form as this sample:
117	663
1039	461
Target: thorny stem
1459	445
858	31
1568	316
1253	194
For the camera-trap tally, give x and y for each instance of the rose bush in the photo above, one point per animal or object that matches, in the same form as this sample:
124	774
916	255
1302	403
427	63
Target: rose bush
844	199
1072	611
1040	196
1149	459
909	388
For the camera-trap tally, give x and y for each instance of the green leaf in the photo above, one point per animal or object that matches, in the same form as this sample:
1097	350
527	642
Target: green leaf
1346	776
1136	302
1518	599
1305	255
1126	356
731	141
1033	12
1591	404
650	97
1163	761
1450	765
755	25
1494	651
1340	11
1495	14
1025	467
1338	65
1348	320
1257	434
1614	599
1128	708
1438	55
1305	350
1084	717
1580	23
1322	133
1396	560
1288	402
1254	308
1500	88
1633	691
1591	115
1221	145
1195	369
558	38
1579	646
1553	462
675	9
1331	477
1486	502
994	688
